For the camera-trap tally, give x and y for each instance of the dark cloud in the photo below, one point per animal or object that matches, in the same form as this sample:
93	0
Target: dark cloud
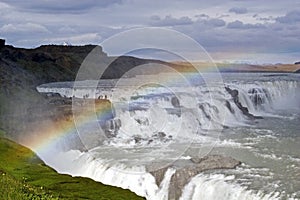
170	21
236	24
60	6
202	16
267	26
203	20
240	25
210	23
238	10
290	17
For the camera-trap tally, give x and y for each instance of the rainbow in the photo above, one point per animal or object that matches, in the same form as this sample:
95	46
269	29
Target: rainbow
45	134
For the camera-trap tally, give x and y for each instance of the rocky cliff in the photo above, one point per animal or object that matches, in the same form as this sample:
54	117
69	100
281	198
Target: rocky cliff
21	70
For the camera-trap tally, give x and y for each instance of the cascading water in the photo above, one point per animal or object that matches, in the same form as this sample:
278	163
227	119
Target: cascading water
217	187
209	110
265	96
157	118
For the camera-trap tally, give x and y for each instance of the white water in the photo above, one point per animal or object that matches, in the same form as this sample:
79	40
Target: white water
135	179
84	89
216	187
199	113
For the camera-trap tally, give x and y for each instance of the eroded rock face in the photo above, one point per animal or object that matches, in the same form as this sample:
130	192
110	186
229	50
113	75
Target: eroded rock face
235	95
175	102
187	169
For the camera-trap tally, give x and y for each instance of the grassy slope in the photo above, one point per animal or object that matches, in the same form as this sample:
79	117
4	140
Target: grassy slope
24	176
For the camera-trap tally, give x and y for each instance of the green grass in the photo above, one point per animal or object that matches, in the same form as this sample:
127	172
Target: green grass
24	176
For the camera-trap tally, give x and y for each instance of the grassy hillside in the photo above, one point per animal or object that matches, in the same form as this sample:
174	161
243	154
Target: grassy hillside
24	176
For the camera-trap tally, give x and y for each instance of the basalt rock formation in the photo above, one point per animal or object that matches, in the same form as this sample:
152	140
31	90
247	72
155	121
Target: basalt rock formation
187	169
235	95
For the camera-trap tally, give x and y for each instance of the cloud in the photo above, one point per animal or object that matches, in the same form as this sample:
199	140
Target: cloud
261	28
76	39
236	24
170	21
216	22
289	18
264	19
202	16
23	28
66	29
238	10
203	20
3	6
240	25
60	6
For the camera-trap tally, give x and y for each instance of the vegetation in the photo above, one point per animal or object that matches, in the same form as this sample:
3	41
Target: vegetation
24	176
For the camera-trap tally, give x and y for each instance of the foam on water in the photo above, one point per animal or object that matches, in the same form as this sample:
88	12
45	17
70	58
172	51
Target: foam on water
136	178
158	116
211	187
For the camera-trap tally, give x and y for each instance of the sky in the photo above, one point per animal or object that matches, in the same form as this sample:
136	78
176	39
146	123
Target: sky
253	31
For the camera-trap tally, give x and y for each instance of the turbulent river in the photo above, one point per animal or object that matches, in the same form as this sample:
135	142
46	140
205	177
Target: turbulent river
252	117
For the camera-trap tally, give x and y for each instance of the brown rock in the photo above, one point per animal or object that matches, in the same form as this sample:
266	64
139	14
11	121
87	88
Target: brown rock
187	169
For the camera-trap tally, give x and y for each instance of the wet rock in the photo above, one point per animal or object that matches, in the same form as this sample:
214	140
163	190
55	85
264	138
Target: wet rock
228	105
57	95
144	121
137	139
161	134
201	106
175	102
197	160
150	141
235	95
187	169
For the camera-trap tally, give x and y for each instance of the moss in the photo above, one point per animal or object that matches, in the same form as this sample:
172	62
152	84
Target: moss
24	176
